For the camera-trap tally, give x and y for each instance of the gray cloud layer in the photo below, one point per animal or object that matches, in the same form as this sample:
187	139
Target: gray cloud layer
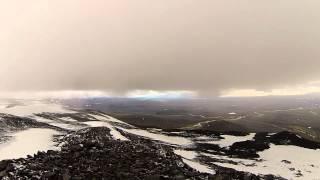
206	46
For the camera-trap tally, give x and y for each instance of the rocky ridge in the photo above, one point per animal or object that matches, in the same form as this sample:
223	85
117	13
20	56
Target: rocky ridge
92	153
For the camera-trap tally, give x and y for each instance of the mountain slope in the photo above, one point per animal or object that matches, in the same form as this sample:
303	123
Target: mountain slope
88	143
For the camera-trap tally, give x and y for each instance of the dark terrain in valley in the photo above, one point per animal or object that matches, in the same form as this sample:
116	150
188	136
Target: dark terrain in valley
297	114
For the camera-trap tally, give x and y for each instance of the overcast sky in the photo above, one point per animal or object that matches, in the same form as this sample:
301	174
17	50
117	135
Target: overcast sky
205	46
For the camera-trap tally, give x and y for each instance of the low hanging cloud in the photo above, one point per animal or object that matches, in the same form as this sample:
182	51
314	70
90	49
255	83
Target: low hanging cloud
204	46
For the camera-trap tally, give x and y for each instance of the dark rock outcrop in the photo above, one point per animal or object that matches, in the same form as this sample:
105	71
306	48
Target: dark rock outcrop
92	154
10	123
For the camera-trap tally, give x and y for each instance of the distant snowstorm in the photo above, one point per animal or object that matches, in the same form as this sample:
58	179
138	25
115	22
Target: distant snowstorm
206	46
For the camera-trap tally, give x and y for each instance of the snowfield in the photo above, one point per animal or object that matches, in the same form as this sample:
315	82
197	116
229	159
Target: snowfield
28	142
188	158
228	140
29	108
176	140
284	161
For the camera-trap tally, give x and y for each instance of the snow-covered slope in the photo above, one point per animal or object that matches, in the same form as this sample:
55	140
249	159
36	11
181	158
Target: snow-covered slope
282	155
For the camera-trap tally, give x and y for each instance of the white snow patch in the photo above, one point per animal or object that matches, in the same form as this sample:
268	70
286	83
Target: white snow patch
238	160
107	118
160	137
154	129
303	159
57	123
96	123
28	142
180	132
232	113
200	124
41	119
203	138
199	167
66	126
30	108
68	119
299	136
3	106
115	134
229	140
186	154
